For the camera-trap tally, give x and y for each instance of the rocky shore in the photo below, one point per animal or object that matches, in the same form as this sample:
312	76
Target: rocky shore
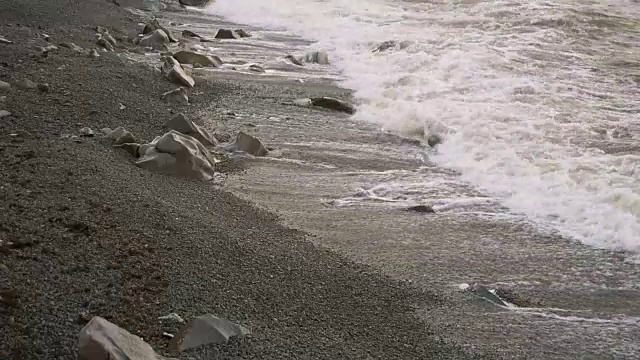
94	243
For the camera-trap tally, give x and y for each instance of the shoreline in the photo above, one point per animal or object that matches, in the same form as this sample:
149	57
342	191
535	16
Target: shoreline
98	236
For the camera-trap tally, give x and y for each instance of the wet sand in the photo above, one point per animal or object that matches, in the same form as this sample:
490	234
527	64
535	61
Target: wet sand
86	233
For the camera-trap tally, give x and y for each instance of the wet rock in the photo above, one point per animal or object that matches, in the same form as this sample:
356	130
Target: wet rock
26	84
4	86
318	57
227	34
181	124
86	132
205	329
174	72
177	154
44	88
242	33
333	104
72	46
249	144
101	339
486	294
4	40
104	43
191	34
198	3
4	113
190	57
153	25
294	60
178	95
256	68
434	139
157	39
93	53
422	209
303	102
131	148
390	44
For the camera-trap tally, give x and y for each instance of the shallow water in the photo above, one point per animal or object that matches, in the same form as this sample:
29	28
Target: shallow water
536	99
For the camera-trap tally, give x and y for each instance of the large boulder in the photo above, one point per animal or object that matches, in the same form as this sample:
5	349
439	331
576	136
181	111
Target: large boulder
203	330
177	154
102	340
193	58
173	71
181	124
158	39
153	25
249	144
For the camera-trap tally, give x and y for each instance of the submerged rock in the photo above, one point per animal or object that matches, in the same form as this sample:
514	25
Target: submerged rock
249	144
318	57
333	104
190	57
177	154
434	139
178	95
181	124
93	53
422	209
157	39
485	293
203	330
101	339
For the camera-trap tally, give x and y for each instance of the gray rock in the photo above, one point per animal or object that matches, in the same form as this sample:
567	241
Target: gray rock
4	86
198	3
4	113
26	84
44	88
4	40
131	148
333	104
422	209
390	44
101	340
172	317
227	34
318	57
174	72
157	39
87	132
293	60
153	25
256	68
93	53
190	57
486	294
249	144
183	125
72	46
178	95
122	136
189	33
242	33
205	329
104	43
434	139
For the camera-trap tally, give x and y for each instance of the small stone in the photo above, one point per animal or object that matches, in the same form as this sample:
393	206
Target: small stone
43	88
26	84
167	335
4	113
3	99
154	25
4	40
181	124
333	104
256	68
434	139
421	209
84	317
318	57
4	86
205	329
178	95
190	57
46	37
86	132
249	144
131	148
127	137
156	39
101	339
114	266
227	34
242	33
73	47
104	43
293	60
93	53
172	317
121	106
175	73
106	131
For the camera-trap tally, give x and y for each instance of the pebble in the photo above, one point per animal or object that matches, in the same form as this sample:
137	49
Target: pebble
4	113
4	86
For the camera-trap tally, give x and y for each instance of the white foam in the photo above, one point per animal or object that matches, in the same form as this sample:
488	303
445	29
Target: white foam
507	84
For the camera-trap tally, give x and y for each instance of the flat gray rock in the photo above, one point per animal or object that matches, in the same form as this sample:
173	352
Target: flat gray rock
333	104
181	124
205	329
249	144
102	340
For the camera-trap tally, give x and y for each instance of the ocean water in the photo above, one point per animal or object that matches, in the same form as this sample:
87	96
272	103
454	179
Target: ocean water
537	101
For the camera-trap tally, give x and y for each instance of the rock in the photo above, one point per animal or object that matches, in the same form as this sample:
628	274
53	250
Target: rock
189	33
178	95
485	293
122	136
434	139
205	329
131	148
421	209
3	99
302	102
172	317
256	68
73	47
178	154
103	43
4	86
198	3
189	57
4	113
4	40
10	298
26	84
86	132
249	144
333	104
157	39
227	34
318	57
390	44
181	124
153	25
293	60
101	340
105	34
242	33
93	53
175	73
44	88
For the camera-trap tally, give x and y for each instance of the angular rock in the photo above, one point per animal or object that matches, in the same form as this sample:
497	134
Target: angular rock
104	43
153	25
421	209
93	53
174	72
87	132
102	340
190	57
181	124
318	57
26	84
157	39
333	104
205	329
73	47
293	60
131	148
227	34
4	86
105	34
177	154
485	293
189	33
122	136
178	95
4	113
249	144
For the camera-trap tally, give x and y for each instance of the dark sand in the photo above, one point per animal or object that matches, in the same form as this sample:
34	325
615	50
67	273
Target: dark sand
93	233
